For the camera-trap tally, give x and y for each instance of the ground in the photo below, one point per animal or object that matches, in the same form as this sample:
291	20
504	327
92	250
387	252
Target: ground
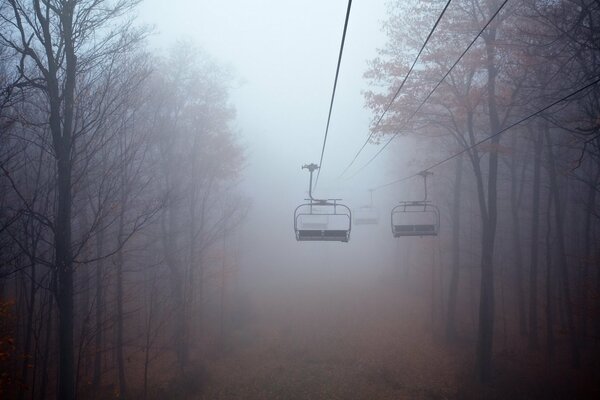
334	360
378	340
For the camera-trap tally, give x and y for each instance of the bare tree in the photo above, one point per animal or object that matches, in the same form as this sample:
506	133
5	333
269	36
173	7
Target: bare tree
56	47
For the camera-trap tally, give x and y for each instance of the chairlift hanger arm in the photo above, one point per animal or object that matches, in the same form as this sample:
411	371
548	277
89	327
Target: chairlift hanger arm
311	168
425	174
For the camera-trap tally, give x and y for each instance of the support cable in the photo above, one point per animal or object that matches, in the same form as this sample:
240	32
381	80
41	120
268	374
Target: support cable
337	72
399	88
466	149
433	90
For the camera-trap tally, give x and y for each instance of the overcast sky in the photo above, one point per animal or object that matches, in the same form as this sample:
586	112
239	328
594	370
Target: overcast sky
285	53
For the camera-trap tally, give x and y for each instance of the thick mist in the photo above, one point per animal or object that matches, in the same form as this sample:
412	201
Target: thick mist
153	156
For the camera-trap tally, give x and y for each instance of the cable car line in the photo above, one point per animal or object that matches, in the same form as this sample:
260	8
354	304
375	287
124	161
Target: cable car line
324	219
431	92
337	72
313	220
466	149
399	88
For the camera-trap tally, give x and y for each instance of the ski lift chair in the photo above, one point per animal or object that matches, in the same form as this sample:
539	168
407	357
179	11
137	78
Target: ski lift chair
415	218
322	220
366	215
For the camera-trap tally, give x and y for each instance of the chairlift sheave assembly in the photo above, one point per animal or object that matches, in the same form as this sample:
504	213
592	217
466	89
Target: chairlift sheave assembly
322	219
416	218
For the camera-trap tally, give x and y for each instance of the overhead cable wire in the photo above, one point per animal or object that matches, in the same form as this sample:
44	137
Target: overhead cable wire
466	149
429	95
337	72
399	88
433	90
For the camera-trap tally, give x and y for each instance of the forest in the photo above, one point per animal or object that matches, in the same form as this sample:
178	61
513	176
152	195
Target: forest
149	247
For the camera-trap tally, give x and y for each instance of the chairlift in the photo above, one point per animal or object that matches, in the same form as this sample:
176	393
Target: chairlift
367	215
416	218
322	220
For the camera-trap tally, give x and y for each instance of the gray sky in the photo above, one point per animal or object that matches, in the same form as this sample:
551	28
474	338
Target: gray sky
285	53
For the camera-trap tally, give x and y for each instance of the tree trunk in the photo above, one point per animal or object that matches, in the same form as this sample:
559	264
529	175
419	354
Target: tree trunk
533	341
83	287
28	330
176	276
62	129
64	266
549	282
148	334
194	231
46	346
587	253
119	276
516	237
562	253
485	337
453	291
222	288
99	314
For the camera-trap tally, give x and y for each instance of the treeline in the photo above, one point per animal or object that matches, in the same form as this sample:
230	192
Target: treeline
118	172
518	120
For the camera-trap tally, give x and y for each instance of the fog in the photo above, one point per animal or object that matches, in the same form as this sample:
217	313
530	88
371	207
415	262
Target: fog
284	60
158	239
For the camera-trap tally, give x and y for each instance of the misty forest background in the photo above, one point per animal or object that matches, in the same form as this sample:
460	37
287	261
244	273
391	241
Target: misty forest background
123	219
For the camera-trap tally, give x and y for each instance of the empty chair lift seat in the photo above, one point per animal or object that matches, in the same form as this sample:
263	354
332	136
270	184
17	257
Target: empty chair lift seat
322	220
366	216
415	218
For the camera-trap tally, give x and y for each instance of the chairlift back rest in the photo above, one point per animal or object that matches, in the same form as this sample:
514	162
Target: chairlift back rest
314	225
